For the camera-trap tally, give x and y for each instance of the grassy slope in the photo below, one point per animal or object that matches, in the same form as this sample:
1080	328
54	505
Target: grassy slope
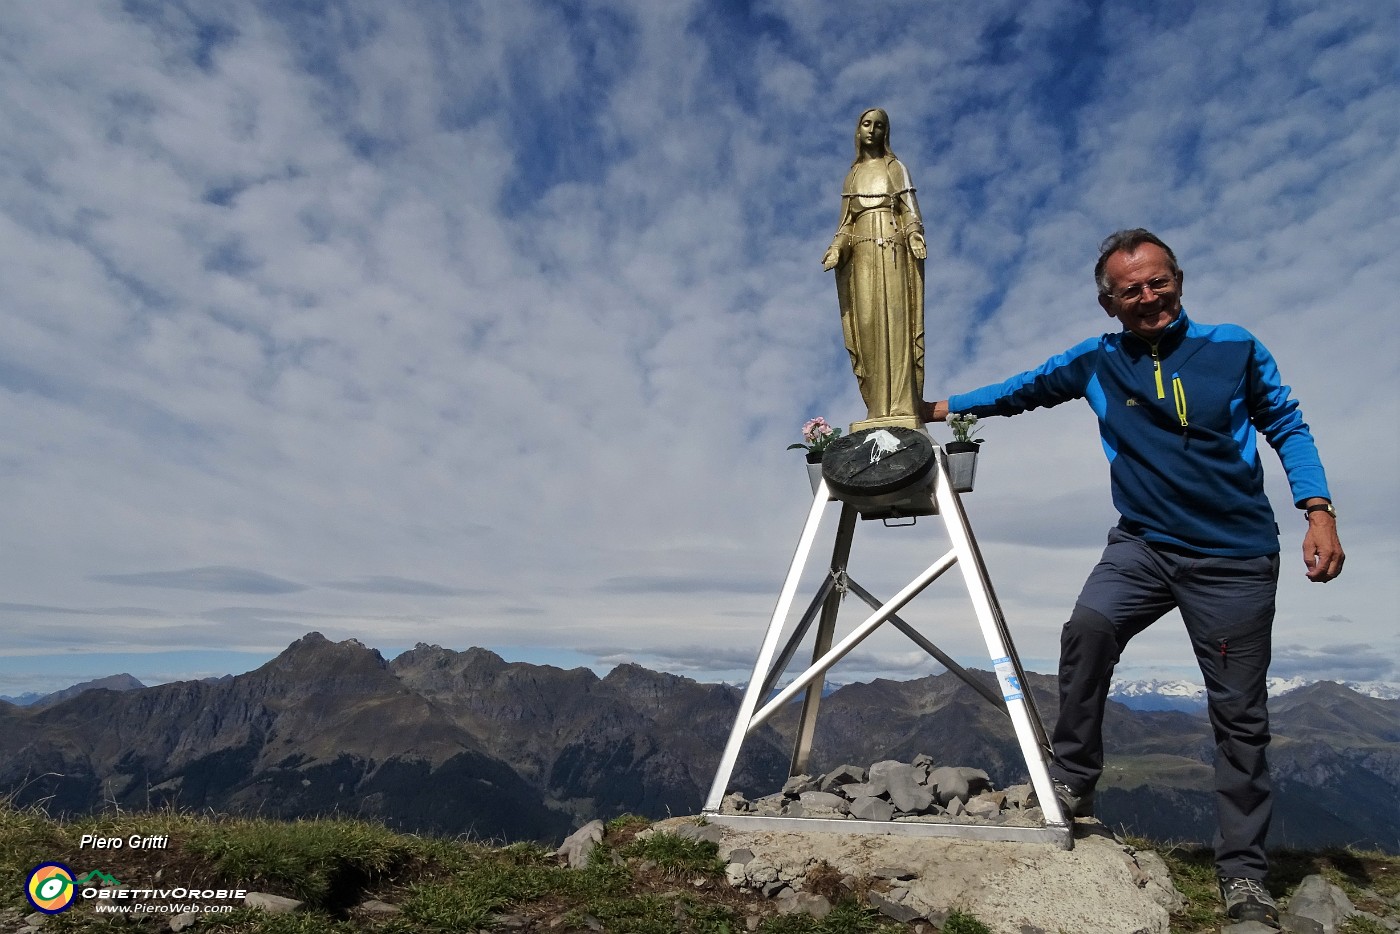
658	884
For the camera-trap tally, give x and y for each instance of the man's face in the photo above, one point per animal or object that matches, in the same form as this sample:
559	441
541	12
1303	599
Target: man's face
1142	309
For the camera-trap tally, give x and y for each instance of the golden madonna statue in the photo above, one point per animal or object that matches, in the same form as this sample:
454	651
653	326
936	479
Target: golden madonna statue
878	254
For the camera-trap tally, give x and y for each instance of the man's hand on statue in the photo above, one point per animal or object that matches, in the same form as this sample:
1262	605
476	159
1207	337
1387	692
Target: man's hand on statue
832	257
917	246
1322	549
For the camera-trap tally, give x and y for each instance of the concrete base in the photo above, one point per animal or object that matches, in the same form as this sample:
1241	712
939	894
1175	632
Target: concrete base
1101	886
1059	835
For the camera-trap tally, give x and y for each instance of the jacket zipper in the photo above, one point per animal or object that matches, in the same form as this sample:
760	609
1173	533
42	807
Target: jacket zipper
1179	396
1157	372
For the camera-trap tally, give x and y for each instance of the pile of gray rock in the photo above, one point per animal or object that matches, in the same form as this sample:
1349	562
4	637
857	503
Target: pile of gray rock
898	791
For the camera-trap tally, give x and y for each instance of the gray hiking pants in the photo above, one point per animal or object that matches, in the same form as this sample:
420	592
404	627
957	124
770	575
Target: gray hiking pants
1228	607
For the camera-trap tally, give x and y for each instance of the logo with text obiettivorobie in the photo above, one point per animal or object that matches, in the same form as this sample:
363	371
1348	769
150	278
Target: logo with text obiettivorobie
51	887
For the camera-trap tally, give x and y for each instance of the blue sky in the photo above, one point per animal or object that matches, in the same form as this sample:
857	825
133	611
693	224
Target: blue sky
488	323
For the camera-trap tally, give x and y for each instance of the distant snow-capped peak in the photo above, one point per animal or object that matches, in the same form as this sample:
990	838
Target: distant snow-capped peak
1187	691
1159	688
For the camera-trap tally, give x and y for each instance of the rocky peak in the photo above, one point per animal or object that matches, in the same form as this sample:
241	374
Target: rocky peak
652	692
121	682
432	667
481	682
424	655
1326	710
315	666
313	651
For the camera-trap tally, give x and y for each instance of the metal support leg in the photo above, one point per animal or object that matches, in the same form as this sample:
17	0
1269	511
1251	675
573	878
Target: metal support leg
1030	732
798	634
753	693
826	630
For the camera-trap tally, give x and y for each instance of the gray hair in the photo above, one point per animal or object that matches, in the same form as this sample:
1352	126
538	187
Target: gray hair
1127	241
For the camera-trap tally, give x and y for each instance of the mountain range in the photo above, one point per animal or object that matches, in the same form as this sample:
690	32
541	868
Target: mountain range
1142	694
121	682
451	742
1156	694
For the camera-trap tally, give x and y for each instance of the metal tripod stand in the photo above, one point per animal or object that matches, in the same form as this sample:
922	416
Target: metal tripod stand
1014	699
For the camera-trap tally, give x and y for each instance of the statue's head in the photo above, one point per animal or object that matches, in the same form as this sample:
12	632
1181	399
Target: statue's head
868	121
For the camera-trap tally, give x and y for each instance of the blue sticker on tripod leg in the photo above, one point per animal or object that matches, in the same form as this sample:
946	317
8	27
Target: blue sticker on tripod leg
1008	679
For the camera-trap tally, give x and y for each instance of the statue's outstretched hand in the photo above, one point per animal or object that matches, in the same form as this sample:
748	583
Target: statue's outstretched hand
832	257
917	246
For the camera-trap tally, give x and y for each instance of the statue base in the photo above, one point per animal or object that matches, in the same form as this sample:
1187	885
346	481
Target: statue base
894	483
888	421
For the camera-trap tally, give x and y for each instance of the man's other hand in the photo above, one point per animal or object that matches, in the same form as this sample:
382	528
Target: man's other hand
1322	549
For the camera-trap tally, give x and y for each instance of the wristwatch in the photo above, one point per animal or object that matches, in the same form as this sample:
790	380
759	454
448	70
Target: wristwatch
1321	507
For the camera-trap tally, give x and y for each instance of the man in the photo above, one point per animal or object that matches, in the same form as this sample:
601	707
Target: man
1179	404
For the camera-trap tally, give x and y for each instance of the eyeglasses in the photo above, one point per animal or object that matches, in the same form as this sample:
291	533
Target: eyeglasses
1133	293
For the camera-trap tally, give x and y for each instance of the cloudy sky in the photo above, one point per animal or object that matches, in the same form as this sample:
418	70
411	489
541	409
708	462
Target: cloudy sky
488	323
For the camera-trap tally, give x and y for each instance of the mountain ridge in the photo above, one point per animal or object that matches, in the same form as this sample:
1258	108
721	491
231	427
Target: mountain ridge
448	741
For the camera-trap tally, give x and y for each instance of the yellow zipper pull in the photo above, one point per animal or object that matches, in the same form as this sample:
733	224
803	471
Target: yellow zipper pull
1157	372
1179	395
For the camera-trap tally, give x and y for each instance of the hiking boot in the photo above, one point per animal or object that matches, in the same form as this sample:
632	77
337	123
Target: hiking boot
1248	900
1072	803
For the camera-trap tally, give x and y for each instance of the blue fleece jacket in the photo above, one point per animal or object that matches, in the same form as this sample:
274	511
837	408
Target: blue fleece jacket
1178	422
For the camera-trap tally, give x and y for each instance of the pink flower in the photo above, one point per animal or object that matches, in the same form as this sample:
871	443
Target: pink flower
816	430
818	434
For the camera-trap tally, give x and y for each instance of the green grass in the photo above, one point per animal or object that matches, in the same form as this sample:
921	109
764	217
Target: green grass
263	923
1157	769
323	862
674	855
635	883
1369	878
1193	874
846	918
959	923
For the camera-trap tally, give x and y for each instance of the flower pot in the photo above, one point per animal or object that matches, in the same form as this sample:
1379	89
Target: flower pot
961	458
814	468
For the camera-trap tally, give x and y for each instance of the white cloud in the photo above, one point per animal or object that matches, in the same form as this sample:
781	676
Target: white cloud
458	319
